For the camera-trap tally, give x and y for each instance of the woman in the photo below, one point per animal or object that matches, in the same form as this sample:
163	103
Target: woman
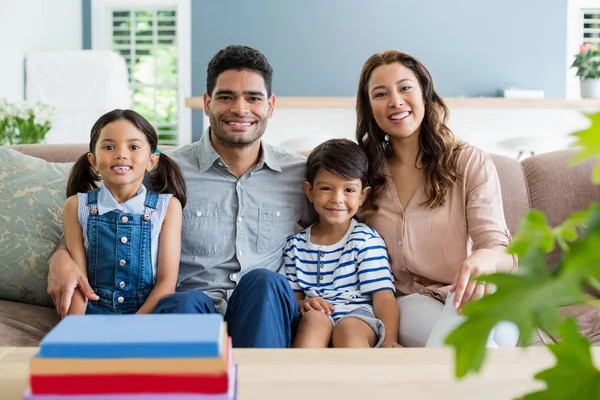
436	201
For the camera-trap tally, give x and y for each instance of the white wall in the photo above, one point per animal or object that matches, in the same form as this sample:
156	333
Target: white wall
34	25
501	131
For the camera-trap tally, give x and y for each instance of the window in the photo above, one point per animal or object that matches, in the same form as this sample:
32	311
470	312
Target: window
583	26
150	37
590	25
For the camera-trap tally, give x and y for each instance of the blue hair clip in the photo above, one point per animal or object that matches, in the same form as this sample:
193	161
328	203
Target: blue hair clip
157	151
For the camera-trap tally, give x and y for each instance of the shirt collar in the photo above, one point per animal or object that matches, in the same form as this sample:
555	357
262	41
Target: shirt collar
207	155
107	203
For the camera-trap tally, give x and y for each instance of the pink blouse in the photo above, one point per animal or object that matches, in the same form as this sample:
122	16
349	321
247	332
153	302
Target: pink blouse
428	246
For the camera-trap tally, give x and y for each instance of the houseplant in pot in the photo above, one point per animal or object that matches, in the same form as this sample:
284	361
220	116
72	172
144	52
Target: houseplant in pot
587	63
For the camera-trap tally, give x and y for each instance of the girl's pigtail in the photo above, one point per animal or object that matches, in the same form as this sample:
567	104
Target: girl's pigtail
83	177
168	178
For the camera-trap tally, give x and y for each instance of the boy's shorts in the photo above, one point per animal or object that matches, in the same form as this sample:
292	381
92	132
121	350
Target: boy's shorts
364	314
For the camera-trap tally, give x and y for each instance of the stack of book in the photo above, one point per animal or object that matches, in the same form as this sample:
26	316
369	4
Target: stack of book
135	357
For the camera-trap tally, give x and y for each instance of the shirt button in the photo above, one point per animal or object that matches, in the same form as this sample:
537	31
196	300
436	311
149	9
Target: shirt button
399	242
321	254
239	253
239	219
124	219
120	299
422	290
321	266
121	285
220	164
233	277
321	278
415	278
278	214
199	213
122	262
123	240
403	269
238	183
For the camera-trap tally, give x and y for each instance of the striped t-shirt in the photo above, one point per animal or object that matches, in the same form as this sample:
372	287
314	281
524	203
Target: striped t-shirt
345	274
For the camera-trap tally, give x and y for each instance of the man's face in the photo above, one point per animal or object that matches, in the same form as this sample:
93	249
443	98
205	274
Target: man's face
238	108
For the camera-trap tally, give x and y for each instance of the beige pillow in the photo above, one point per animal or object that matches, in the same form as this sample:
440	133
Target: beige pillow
32	195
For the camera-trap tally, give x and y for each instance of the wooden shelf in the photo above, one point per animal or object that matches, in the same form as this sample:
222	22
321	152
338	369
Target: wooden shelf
196	103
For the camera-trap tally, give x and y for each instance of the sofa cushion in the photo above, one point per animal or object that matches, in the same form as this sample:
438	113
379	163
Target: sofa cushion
557	188
24	324
31	202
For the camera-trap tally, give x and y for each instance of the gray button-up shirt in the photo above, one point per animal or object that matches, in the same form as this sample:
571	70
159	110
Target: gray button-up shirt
232	226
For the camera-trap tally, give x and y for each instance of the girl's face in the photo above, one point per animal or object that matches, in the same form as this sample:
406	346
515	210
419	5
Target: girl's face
122	155
336	200
396	99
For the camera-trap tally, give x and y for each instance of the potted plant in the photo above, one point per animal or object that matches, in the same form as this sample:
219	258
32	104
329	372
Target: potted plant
532	297
22	123
587	63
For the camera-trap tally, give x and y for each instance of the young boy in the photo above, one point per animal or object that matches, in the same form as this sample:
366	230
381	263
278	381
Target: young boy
338	267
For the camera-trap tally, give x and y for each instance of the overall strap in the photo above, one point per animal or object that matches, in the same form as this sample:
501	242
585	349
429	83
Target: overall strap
151	200
92	196
92	201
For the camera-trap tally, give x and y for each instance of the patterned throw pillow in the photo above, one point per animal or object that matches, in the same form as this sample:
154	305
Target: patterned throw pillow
32	195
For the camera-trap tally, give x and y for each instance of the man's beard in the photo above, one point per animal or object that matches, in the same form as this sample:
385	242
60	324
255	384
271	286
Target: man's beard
244	141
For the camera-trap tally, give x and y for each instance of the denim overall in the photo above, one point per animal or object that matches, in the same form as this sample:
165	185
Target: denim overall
119	257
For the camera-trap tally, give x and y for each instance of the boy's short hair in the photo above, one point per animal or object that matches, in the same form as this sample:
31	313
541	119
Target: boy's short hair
341	157
238	58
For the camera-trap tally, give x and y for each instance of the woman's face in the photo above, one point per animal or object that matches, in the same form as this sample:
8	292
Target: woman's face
396	99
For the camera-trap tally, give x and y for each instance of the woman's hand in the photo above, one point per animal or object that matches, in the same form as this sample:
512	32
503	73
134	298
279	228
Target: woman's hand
465	287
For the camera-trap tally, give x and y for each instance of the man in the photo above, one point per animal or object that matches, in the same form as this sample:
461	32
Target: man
244	198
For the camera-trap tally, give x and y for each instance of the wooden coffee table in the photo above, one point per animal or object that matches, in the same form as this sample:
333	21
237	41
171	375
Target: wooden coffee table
350	374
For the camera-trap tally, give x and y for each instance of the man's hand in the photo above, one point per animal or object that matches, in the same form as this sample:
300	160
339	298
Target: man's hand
64	275
317	304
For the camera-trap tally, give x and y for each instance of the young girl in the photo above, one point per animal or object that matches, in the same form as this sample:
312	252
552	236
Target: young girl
125	237
338	267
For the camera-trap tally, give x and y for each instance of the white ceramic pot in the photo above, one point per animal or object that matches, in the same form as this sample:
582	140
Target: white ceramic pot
590	88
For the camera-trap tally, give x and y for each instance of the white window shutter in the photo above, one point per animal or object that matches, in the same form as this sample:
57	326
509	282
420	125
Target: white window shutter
147	39
591	26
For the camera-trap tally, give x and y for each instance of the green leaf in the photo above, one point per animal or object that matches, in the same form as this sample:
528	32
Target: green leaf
583	258
568	229
574	375
589	142
527	300
533	229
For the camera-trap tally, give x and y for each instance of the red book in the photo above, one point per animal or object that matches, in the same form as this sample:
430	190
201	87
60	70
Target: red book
128	384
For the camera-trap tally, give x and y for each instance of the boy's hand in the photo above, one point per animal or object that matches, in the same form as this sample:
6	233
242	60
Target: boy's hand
390	343
317	304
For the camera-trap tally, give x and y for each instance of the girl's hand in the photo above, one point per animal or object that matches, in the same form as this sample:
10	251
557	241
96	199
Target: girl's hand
317	304
390	343
465	288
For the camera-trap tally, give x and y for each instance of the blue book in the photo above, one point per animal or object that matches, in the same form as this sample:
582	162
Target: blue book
136	336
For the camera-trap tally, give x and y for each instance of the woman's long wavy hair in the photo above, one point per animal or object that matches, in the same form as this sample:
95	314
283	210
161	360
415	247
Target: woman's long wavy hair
438	148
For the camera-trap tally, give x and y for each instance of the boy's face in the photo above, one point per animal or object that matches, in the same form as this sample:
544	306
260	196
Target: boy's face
336	200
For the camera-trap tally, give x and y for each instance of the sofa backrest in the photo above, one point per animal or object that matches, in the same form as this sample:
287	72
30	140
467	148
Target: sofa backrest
545	182
515	194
